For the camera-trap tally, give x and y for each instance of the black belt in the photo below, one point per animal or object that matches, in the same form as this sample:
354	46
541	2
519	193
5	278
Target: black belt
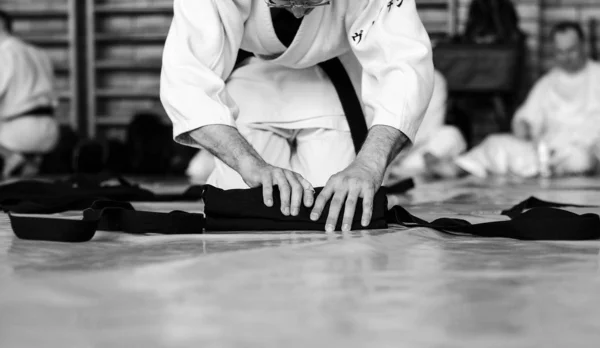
350	103
286	27
243	210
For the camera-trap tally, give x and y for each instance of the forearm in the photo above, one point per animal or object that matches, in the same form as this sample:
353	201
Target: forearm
228	145
383	144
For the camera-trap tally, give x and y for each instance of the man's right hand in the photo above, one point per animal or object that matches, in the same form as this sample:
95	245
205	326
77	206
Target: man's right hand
294	190
227	144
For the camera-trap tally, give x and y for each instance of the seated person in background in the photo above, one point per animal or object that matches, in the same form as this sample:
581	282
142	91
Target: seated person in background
560	121
434	139
27	101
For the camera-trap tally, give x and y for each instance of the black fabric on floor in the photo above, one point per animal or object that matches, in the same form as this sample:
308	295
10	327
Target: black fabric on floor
244	210
533	202
535	224
79	192
106	216
232	210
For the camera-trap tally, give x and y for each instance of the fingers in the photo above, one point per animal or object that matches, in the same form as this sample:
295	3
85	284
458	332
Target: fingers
334	210
345	193
309	191
368	195
267	189
297	191
350	208
284	190
292	189
322	199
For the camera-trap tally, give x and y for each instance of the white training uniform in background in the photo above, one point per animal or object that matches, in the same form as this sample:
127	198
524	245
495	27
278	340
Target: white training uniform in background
26	83
280	101
434	137
563	111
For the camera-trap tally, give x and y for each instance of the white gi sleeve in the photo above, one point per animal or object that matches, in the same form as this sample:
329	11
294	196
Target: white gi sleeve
5	73
394	49
435	116
532	111
199	55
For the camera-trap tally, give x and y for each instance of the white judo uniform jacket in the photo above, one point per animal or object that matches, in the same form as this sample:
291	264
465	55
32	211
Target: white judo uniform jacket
26	83
382	44
564	109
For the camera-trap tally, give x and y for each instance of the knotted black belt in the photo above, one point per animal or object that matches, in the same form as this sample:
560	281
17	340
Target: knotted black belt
227	211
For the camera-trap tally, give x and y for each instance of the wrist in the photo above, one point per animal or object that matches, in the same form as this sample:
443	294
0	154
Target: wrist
228	145
374	162
249	167
382	146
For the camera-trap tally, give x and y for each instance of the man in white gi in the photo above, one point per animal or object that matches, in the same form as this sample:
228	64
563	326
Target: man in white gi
560	119
276	119
27	100
434	139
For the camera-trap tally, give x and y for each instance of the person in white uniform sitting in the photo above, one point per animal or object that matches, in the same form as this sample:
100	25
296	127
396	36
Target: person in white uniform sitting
276	118
27	101
555	130
434	139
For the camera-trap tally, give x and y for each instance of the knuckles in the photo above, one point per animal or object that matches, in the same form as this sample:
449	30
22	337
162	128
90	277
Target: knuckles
340	181
336	202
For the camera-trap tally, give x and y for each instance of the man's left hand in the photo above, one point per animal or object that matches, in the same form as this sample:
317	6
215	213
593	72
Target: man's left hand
359	180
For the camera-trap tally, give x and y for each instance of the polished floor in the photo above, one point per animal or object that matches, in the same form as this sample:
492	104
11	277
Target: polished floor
392	288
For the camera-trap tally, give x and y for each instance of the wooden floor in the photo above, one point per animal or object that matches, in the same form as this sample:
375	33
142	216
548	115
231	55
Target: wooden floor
392	288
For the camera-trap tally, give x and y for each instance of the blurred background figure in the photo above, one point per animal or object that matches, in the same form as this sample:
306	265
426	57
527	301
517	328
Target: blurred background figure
434	139
28	128
201	166
563	109
561	116
150	149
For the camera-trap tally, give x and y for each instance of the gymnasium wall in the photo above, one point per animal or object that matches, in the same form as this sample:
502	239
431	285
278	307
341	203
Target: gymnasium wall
537	18
530	17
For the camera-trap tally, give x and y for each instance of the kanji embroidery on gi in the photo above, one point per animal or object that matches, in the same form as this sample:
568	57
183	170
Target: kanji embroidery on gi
392	2
358	36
